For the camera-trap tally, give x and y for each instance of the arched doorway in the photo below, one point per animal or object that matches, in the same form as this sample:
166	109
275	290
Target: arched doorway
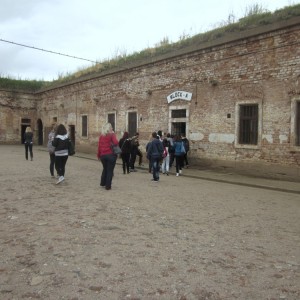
40	132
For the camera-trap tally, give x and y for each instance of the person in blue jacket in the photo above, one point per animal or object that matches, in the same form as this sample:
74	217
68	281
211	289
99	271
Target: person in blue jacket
154	154
179	154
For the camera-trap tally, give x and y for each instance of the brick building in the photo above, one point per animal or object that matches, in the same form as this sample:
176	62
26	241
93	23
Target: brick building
236	98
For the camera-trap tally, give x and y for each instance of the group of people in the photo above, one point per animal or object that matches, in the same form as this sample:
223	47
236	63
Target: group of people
161	152
58	148
130	151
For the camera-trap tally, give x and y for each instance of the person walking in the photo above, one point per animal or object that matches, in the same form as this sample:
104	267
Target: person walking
106	156
154	154
165	166
51	149
28	141
171	149
61	143
124	144
134	151
186	144
179	154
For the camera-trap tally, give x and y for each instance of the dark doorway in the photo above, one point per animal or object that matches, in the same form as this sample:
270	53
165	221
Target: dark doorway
132	123
40	132
72	133
23	128
178	128
112	120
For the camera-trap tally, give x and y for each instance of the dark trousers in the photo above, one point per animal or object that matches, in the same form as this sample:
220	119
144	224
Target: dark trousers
132	158
179	162
52	162
108	162
185	159
60	164
28	147
155	162
125	162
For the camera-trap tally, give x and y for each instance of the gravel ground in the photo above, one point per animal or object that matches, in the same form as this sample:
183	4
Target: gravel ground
181	238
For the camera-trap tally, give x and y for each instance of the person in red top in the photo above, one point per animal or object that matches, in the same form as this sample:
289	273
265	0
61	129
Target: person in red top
106	156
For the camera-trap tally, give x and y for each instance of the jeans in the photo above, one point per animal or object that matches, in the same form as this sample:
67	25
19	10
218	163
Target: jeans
52	162
60	164
155	168
179	162
108	162
165	164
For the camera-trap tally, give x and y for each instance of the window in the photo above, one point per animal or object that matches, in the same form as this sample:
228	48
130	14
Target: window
248	130
84	127
26	121
178	113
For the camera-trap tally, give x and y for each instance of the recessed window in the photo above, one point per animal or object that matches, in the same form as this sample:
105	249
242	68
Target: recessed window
248	130
84	127
178	113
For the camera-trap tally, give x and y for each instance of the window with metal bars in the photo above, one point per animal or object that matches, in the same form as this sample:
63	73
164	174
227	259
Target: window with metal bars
298	123
178	113
84	130
248	131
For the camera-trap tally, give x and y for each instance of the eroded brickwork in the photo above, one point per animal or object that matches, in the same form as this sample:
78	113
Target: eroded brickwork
262	67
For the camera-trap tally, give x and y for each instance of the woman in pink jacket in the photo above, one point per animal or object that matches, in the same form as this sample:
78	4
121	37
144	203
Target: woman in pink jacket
105	154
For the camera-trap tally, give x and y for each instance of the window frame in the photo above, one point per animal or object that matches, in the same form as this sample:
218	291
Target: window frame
238	106
295	124
87	127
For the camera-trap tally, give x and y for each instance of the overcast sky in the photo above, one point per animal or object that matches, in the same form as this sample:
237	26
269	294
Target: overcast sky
97	30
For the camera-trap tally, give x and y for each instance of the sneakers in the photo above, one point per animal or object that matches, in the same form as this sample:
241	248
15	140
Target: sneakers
180	172
60	179
177	174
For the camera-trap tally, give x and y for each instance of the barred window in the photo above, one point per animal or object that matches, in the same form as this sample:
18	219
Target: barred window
178	113
248	131
84	131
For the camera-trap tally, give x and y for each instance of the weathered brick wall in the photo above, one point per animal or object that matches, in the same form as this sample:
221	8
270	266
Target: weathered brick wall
259	67
13	107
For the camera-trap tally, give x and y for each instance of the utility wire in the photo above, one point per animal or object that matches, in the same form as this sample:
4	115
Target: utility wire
35	48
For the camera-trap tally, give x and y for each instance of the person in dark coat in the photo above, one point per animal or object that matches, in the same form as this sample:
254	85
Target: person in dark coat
28	141
124	144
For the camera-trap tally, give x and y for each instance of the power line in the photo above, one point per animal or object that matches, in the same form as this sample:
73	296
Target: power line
49	51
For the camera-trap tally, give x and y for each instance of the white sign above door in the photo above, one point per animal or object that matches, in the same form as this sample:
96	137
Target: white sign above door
179	95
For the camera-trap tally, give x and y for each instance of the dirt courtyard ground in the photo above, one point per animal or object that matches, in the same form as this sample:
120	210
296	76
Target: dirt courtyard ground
182	238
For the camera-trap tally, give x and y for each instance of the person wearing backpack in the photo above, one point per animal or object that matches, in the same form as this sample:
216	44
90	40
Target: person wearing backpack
179	154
